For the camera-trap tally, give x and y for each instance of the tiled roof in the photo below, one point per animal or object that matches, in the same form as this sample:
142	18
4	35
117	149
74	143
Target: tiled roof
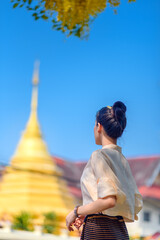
71	172
144	169
75	191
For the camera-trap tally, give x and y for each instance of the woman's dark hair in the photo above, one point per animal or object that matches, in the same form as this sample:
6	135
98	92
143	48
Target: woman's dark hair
113	119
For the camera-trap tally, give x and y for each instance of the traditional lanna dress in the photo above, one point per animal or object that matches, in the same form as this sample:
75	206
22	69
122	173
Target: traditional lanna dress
108	173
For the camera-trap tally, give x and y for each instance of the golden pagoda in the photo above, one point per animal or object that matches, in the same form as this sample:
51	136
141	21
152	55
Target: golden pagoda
33	182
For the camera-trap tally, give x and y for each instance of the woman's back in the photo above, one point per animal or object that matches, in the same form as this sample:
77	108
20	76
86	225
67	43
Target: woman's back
108	173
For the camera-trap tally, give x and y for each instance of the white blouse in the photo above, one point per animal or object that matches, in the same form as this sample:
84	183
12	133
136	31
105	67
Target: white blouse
108	173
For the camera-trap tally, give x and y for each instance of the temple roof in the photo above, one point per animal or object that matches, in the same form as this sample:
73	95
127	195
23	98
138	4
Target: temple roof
145	169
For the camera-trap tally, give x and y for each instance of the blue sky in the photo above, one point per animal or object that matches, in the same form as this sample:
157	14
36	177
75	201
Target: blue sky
119	61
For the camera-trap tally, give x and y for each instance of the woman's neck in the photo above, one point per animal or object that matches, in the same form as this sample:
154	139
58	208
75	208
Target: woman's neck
107	140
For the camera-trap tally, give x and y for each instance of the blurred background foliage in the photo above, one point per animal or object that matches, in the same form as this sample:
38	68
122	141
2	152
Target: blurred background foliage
23	221
72	17
27	221
51	223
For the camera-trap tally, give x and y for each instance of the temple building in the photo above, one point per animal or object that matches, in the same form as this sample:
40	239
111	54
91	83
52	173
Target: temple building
33	182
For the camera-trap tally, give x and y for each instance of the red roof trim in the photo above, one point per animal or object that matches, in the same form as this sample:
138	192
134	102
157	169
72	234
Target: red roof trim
154	157
153	191
59	161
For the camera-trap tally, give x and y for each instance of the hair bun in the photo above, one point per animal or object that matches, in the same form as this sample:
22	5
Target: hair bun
120	105
119	110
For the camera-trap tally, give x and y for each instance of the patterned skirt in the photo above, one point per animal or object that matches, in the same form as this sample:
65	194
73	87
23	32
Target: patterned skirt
104	227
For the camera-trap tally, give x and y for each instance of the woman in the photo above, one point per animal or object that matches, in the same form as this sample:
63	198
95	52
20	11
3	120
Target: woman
110	194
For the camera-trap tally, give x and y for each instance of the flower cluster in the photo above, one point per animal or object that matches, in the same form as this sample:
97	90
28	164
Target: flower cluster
72	17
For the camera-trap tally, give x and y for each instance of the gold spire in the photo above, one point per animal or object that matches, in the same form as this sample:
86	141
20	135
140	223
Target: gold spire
32	152
36	73
35	82
33	127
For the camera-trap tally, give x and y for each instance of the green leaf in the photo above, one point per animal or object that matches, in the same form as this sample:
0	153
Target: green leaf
36	18
78	32
55	25
44	17
15	5
29	1
29	8
53	20
36	7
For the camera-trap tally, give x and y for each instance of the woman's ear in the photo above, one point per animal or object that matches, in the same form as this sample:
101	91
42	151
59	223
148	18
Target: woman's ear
99	128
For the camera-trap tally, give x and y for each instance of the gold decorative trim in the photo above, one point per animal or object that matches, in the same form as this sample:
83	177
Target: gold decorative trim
111	217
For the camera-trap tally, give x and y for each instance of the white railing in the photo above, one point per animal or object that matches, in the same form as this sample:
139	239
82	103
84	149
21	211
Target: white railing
7	234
